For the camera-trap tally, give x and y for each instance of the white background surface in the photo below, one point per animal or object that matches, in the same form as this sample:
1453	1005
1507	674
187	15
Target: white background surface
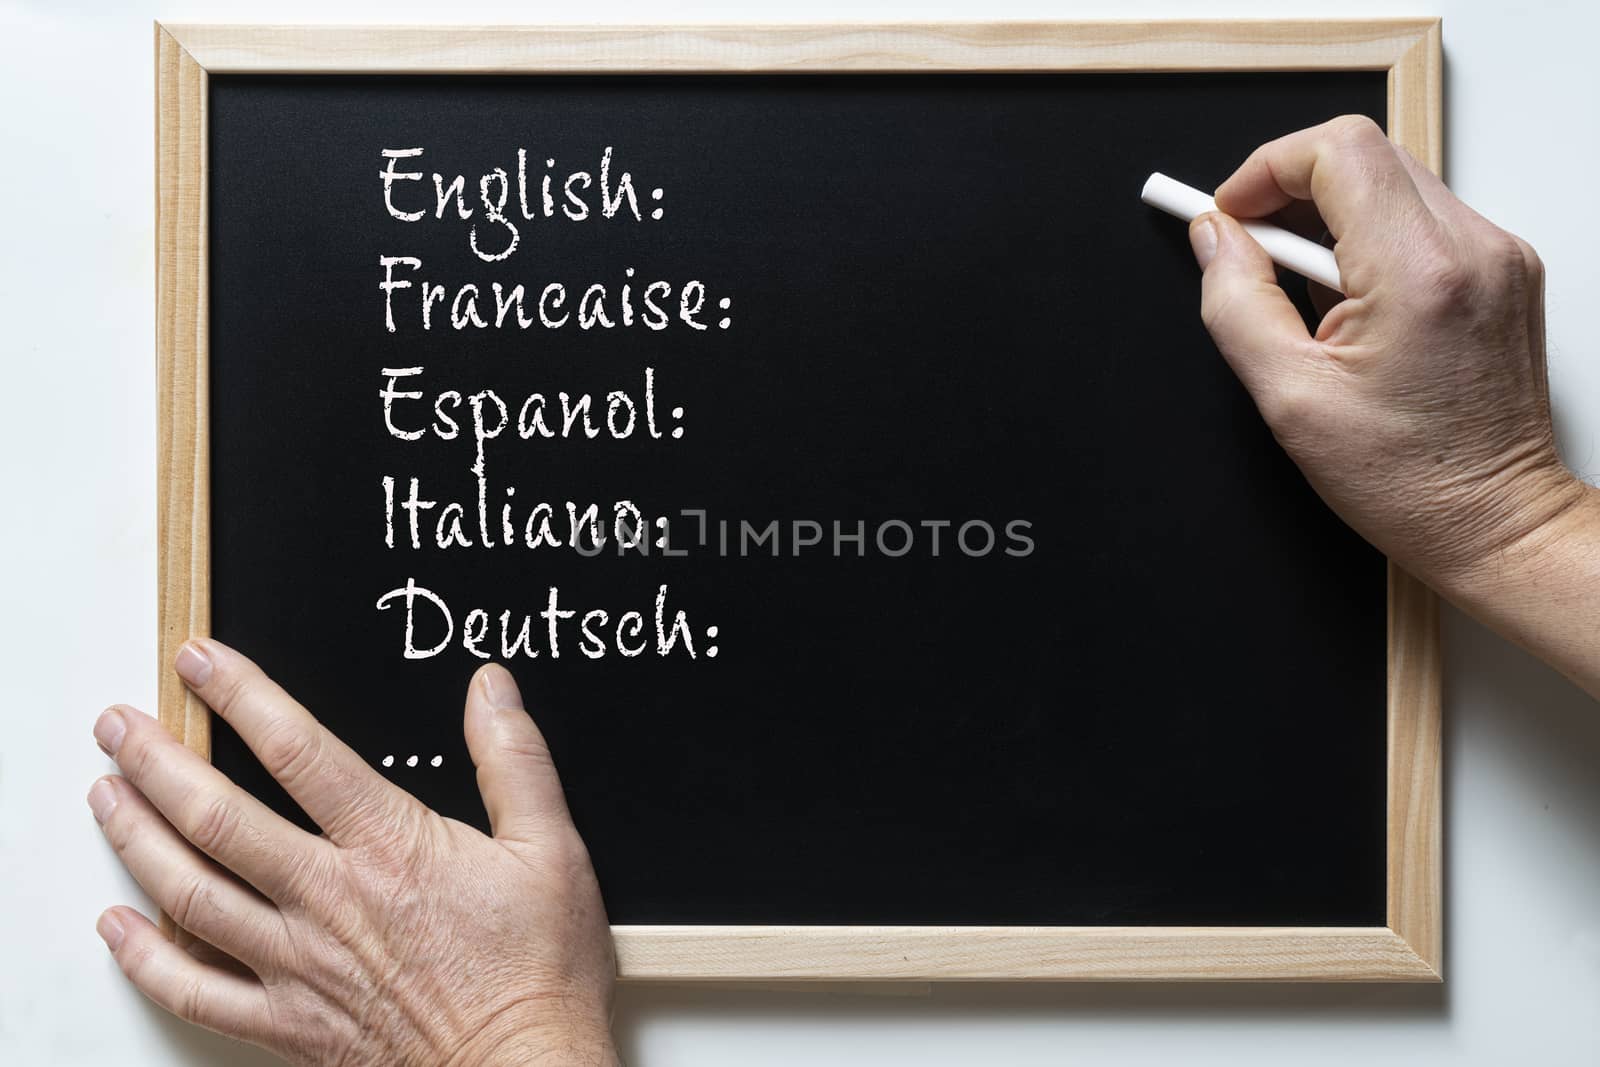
77	595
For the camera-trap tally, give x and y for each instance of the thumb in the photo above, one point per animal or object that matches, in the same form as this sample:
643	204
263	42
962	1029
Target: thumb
1258	330
516	776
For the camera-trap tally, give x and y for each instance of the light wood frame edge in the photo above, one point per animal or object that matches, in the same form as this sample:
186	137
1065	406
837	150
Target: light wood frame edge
1415	908
1409	948
183	475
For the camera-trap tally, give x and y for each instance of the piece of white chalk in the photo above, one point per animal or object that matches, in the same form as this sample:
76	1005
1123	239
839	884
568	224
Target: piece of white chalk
1288	250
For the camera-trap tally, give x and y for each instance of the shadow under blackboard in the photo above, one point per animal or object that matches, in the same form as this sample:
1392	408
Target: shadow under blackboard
1002	1004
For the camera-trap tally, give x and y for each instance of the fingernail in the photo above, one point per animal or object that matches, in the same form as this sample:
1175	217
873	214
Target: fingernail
102	799
110	931
194	666
109	730
1203	239
500	688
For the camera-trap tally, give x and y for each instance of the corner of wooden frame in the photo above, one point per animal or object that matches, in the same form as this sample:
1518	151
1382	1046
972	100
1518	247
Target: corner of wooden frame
1421	962
1416	100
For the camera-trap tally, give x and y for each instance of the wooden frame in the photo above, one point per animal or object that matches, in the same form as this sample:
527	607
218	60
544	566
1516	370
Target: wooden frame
1408	948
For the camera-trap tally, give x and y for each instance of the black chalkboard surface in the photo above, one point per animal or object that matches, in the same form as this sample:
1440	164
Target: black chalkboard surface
1138	679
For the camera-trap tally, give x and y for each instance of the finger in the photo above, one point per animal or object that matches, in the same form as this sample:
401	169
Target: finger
1457	215
212	956
201	897
1456	218
219	818
336	787
1257	329
1303	218
1352	173
1440	200
1323	299
203	995
1474	228
516	776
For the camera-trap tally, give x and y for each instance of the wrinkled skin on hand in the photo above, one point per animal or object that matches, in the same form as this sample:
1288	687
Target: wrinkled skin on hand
397	937
1419	409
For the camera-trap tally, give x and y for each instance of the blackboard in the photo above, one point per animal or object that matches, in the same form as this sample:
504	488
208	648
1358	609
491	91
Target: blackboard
1006	609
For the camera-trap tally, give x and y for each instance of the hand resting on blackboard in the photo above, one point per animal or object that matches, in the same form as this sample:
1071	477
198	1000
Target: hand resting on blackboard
1420	408
396	937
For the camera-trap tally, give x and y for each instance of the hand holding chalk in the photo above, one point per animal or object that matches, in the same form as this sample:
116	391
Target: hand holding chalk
1422	417
1288	250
